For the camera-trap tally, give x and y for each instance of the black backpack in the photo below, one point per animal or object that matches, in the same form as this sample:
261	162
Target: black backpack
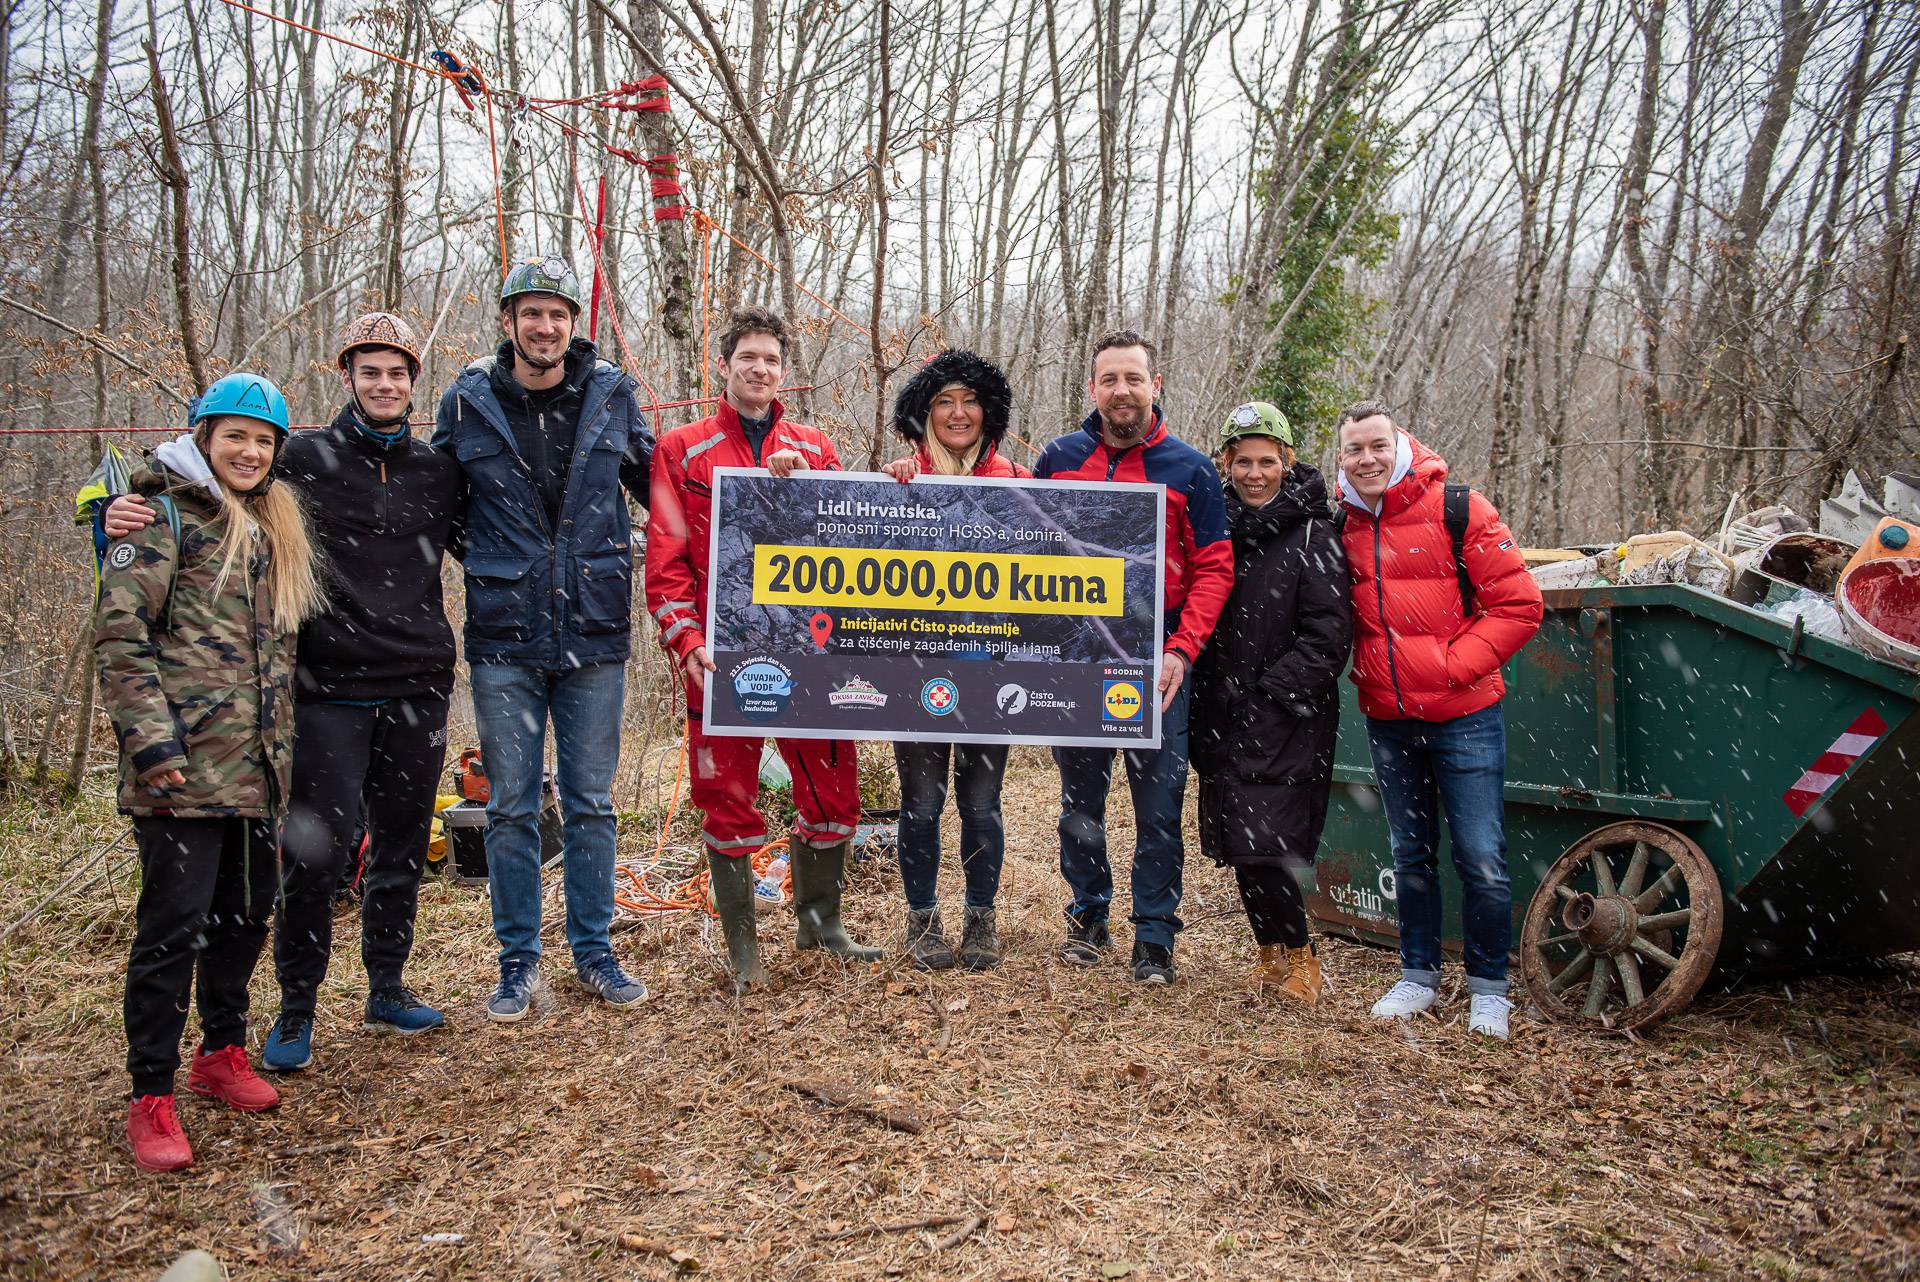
1453	510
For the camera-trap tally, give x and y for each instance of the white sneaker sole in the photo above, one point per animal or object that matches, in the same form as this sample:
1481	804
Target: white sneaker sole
635	1004
514	1018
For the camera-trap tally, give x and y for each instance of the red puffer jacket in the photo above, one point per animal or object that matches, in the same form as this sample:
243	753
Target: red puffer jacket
1415	657
678	519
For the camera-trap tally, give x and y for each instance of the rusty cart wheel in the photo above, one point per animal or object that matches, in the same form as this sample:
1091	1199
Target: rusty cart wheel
1623	929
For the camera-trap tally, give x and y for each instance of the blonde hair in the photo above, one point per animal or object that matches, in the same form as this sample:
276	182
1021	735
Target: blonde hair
947	463
293	581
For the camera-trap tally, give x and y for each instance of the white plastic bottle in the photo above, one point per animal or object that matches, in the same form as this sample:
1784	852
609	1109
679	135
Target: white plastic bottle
767	892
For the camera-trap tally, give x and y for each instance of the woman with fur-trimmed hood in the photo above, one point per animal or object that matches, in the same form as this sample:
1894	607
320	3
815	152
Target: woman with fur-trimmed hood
954	412
932	414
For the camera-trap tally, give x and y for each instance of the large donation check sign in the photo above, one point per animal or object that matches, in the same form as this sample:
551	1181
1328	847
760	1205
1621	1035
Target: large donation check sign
953	609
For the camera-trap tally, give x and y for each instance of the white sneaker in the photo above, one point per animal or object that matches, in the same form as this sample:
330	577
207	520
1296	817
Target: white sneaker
1488	1014
1404	1000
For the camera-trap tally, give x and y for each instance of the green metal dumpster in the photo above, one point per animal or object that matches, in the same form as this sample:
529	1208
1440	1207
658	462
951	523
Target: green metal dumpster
1691	785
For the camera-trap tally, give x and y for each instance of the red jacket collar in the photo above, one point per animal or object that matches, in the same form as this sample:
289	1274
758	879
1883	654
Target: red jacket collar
729	417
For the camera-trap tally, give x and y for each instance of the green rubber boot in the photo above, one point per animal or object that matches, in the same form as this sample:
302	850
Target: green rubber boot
733	897
818	876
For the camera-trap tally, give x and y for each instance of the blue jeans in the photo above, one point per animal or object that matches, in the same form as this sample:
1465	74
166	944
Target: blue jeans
511	707
1158	781
1461	764
977	771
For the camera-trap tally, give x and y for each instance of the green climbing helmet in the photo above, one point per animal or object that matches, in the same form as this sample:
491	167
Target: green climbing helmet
1256	418
547	274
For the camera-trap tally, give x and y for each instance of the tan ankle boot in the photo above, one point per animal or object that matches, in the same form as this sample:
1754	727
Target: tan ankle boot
1269	968
1304	981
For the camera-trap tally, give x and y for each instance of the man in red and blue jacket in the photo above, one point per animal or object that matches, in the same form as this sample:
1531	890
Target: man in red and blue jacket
1126	439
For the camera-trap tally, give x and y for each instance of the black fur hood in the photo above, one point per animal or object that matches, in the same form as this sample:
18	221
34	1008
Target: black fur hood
955	366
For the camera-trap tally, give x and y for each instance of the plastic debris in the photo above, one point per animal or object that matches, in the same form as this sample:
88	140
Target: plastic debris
1816	614
1853	513
1674	557
1760	527
1578	572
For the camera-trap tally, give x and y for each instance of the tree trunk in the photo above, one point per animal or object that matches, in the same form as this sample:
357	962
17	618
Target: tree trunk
882	163
82	729
1732	411
1652	307
173	173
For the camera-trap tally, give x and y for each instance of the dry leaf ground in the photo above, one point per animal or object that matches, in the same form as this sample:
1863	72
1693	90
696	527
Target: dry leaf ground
1085	1127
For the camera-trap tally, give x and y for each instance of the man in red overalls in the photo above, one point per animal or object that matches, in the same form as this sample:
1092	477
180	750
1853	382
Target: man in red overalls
747	430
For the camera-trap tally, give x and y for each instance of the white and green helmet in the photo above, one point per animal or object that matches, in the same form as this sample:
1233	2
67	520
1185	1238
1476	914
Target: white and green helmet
1256	418
547	274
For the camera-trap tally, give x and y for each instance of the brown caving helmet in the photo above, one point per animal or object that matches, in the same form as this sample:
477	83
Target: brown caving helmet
380	329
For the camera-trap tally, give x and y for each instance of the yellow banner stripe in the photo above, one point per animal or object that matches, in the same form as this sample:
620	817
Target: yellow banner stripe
983	582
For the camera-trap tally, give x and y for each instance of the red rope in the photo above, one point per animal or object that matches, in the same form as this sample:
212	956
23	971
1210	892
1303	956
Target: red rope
177	428
600	277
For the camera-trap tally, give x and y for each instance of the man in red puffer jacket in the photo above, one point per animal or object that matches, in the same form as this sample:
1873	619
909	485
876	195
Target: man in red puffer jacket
1427	662
748	428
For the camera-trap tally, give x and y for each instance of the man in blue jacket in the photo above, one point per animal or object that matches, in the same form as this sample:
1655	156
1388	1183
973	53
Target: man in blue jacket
548	436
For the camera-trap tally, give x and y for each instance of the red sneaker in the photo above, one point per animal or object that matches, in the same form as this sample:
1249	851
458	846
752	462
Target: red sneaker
226	1075
153	1129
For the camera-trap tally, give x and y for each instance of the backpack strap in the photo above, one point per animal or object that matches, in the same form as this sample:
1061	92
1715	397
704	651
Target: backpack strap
1454	510
171	512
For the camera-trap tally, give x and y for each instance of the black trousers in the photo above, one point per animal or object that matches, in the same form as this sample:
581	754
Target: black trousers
206	891
1275	908
382	763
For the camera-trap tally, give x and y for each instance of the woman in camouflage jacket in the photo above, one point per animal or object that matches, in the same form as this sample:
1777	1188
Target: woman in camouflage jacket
194	635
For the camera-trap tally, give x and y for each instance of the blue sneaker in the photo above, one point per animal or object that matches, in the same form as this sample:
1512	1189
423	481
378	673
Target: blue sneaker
289	1043
616	988
511	1001
398	1010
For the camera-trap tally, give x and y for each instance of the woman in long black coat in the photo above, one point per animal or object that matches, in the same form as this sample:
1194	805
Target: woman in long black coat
1266	695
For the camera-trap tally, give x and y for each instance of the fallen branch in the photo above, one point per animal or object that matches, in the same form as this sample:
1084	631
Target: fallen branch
64	886
960	1234
838	1098
904	1226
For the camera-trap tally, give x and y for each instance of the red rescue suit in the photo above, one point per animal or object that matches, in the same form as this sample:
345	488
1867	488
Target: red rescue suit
726	769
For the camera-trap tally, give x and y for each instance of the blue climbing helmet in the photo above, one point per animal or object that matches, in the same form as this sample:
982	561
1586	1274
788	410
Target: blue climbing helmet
241	393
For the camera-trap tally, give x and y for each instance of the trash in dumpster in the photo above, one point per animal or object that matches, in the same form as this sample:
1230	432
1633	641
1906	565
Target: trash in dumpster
1853	513
1880	602
1816	614
1787	565
1579	572
1891	539
1673	556
1760	527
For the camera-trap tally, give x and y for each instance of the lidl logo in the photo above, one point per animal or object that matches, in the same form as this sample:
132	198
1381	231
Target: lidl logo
1120	701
